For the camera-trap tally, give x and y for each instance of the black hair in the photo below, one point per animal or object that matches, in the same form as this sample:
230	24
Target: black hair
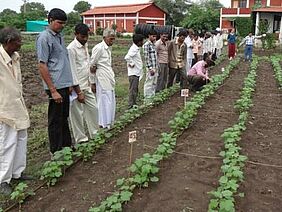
82	29
8	34
137	38
182	33
57	14
152	32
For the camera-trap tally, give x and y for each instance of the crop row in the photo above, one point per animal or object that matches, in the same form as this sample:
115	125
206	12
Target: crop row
233	162
144	170
55	168
277	69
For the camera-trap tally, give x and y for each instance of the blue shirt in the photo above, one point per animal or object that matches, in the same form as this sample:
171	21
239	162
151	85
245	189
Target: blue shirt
51	50
231	38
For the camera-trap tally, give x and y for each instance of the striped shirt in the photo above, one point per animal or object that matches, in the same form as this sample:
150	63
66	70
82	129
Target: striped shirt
150	55
51	50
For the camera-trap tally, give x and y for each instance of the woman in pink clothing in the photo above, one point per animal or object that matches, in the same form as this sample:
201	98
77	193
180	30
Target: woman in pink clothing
198	74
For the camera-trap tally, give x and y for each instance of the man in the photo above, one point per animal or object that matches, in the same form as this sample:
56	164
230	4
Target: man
151	63
101	66
14	119
54	68
177	57
134	68
249	43
189	44
84	106
198	74
162	55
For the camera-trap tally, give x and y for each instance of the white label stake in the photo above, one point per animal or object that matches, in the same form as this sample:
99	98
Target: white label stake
132	137
185	94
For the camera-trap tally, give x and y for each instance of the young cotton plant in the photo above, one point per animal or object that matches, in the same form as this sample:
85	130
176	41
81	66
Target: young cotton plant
20	193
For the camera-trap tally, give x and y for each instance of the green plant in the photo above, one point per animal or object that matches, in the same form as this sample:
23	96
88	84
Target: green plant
233	162
20	192
54	169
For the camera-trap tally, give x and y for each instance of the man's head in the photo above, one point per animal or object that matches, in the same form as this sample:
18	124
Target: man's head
57	19
152	35
109	36
250	34
181	36
164	37
81	33
138	39
190	33
11	39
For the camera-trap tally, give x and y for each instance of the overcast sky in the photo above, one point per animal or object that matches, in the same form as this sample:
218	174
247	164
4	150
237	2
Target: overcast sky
67	5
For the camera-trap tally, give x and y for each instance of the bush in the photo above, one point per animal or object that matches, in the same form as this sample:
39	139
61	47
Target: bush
99	31
244	26
268	42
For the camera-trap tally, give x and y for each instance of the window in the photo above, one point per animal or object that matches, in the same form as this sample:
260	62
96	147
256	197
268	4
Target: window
243	3
277	23
257	1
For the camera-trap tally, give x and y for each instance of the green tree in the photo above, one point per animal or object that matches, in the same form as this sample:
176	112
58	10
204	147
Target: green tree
74	18
203	16
8	12
176	9
81	6
34	7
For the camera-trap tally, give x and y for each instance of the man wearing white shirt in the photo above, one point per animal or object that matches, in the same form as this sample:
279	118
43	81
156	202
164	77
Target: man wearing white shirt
189	44
101	66
134	68
14	119
84	107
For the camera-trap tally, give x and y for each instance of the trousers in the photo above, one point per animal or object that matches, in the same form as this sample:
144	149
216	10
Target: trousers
58	126
84	112
12	152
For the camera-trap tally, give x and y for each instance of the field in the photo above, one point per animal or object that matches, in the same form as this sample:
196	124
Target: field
220	152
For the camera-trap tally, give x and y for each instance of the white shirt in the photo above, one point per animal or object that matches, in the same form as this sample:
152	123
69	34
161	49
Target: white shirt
80	63
13	111
189	44
219	41
102	58
133	57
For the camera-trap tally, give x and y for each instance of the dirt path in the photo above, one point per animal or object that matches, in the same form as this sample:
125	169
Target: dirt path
262	142
185	181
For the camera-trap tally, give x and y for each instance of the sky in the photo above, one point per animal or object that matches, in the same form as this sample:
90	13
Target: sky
67	5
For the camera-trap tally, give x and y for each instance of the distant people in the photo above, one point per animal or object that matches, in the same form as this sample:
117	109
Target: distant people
196	42
189	44
54	68
14	118
231	38
219	43
83	108
152	65
198	74
249	41
134	68
177	57
101	66
162	55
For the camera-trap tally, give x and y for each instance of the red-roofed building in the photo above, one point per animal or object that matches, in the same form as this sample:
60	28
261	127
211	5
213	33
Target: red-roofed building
124	16
269	10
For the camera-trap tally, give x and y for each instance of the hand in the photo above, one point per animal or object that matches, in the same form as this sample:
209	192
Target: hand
57	97
93	69
263	35
152	72
93	88
81	97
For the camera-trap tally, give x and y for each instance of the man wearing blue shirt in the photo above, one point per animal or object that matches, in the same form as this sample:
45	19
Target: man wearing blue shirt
54	68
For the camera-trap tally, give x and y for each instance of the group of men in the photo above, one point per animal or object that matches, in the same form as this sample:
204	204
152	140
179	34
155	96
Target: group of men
71	78
167	61
80	87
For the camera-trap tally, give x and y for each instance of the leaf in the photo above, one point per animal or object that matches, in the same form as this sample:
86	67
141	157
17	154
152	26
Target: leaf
227	194
125	195
226	205
116	207
120	182
241	195
213	204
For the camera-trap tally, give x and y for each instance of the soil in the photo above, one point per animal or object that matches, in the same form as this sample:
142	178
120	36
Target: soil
187	176
184	187
261	143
